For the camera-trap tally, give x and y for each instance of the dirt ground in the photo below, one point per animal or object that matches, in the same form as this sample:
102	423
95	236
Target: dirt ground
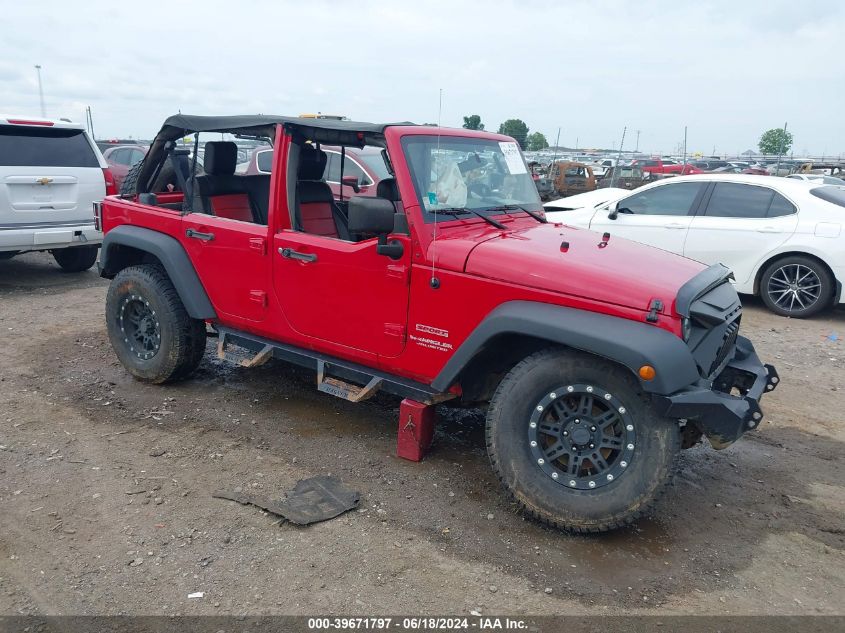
106	507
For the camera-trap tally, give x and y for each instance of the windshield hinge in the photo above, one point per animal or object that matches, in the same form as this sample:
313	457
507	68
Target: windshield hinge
654	307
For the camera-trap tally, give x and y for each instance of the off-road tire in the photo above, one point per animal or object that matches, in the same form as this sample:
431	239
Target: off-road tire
631	495
130	182
773	283
167	175
75	259
179	339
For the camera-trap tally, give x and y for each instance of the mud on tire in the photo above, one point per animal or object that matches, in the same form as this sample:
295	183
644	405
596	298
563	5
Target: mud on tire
565	394
149	328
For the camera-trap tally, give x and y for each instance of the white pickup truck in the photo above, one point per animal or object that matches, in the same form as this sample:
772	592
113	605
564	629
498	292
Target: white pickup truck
51	173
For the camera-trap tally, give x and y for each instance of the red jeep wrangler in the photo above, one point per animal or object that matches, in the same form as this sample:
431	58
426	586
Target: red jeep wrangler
598	359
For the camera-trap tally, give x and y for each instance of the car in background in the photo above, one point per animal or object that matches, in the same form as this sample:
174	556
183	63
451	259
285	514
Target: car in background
710	164
784	168
570	178
819	179
820	168
365	167
658	166
121	158
51	173
625	177
541	180
588	200
755	171
782	238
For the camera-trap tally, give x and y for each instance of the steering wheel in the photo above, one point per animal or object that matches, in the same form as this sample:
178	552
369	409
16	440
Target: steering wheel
480	189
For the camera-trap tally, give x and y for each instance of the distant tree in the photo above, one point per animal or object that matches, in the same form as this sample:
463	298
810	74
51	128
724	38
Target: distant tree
775	141
536	141
473	122
516	128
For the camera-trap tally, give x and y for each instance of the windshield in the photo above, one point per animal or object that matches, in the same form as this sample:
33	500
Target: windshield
469	173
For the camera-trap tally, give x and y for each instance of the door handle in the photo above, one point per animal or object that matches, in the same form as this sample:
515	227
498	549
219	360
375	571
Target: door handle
289	253
768	229
675	225
206	237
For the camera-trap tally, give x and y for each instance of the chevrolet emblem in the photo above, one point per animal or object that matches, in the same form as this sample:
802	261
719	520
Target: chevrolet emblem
44	181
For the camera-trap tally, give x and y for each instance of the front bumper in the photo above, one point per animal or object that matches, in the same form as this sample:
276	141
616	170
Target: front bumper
730	405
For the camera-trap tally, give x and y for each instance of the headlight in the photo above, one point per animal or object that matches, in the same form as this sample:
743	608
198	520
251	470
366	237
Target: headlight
686	328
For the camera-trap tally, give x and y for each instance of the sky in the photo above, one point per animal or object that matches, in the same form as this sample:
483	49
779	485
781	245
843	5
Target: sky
726	70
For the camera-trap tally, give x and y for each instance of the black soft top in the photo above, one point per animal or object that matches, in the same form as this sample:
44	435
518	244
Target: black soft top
321	130
330	131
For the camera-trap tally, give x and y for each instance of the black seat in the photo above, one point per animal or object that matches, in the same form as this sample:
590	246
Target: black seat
226	195
388	190
315	209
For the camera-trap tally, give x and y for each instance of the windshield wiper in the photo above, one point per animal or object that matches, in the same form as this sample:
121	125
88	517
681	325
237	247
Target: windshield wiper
519	207
456	211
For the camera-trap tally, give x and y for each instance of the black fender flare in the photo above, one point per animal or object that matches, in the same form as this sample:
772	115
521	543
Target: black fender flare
629	343
172	256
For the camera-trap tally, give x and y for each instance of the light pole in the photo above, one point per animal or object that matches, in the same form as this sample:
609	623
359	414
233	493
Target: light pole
40	91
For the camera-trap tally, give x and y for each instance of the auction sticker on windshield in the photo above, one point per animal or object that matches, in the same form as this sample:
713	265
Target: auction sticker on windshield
513	158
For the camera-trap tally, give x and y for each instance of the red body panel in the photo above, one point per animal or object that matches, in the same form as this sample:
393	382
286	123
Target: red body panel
367	308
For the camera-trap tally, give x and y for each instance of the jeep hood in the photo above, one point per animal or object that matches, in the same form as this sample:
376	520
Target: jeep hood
621	272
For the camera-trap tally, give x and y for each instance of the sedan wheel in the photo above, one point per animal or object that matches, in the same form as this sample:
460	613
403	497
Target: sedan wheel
796	287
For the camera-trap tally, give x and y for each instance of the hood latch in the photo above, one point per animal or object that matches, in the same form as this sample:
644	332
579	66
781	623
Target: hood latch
654	307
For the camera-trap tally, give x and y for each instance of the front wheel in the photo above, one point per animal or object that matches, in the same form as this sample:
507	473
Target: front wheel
577	443
151	332
76	259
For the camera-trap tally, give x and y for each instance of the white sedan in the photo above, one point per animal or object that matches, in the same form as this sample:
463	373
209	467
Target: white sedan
783	238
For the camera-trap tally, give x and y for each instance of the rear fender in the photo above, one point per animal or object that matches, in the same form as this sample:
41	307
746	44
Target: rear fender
628	343
120	248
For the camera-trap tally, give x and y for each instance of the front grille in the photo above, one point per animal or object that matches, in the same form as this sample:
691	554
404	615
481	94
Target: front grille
728	342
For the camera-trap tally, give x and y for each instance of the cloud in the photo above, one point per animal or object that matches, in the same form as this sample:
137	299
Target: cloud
728	70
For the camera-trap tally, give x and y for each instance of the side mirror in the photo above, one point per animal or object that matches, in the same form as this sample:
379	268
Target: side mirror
371	215
351	181
614	211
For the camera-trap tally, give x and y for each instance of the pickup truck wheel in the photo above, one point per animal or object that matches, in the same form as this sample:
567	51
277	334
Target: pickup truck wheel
796	287
149	328
577	443
75	259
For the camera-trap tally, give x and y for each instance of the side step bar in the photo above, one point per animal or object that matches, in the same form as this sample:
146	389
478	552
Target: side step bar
340	378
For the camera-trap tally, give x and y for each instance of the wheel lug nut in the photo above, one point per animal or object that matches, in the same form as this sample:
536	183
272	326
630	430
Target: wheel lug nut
592	445
565	433
592	428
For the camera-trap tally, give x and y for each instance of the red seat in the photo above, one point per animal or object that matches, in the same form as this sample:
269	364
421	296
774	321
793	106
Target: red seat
234	206
316	215
315	210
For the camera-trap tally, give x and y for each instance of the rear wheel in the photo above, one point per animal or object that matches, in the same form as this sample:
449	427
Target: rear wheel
796	286
577	443
149	328
76	259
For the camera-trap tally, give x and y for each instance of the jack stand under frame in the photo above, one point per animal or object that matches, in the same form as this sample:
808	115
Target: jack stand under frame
416	429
